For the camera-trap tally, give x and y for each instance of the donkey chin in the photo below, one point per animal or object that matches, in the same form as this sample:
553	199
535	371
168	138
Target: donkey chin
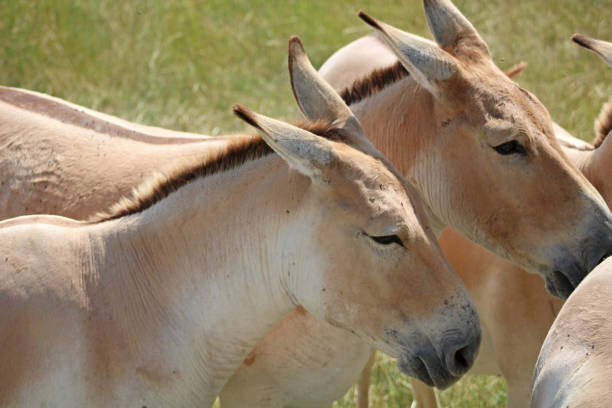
571	266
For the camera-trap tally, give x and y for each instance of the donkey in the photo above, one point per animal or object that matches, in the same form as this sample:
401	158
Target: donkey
158	301
509	300
516	313
515	310
61	174
573	368
63	159
456	126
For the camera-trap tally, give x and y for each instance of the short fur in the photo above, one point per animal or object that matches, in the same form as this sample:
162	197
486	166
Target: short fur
374	82
77	116
603	124
240	149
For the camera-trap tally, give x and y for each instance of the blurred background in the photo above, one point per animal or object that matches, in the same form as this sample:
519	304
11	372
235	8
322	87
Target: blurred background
182	64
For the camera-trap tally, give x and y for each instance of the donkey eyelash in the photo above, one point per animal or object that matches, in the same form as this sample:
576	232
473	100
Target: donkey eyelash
388	240
511	147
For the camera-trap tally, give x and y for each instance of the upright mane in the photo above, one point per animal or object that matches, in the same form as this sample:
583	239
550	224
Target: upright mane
603	124
239	150
374	82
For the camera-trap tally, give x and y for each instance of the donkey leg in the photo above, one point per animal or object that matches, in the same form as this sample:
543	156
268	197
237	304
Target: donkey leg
519	394
424	395
363	386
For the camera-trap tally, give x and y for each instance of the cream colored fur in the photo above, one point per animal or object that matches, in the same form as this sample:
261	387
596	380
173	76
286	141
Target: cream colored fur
408	138
159	307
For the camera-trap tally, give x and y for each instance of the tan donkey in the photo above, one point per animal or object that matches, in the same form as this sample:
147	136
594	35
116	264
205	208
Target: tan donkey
515	311
65	149
483	153
575	363
157	302
574	366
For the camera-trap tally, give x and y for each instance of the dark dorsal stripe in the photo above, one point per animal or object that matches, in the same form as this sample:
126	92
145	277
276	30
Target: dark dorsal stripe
240	150
603	124
374	82
72	116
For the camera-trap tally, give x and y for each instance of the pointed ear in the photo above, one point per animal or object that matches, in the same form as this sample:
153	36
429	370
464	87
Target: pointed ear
601	48
318	101
425	61
516	70
316	98
306	152
450	28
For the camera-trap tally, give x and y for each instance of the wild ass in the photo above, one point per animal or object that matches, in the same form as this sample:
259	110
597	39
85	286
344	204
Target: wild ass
515	311
456	127
63	159
69	176
574	365
157	302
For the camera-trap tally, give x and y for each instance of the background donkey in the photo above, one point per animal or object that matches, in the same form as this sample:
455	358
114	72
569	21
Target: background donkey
573	367
515	310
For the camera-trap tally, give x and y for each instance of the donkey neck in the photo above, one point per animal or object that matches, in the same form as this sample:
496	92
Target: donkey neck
399	120
202	268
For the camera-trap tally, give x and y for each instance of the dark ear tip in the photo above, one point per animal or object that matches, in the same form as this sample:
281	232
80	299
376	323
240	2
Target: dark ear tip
295	47
295	41
368	19
245	114
581	40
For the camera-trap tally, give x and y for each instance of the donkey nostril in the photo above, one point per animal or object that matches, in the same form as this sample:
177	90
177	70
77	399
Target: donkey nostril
461	360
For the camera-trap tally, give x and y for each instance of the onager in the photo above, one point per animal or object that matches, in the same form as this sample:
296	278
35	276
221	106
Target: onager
481	150
574	365
575	362
159	300
515	310
66	146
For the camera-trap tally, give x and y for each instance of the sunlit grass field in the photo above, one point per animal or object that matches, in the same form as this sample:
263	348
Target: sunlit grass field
182	64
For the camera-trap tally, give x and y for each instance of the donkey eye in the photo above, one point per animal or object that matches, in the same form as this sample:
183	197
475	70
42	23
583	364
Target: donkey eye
511	147
388	240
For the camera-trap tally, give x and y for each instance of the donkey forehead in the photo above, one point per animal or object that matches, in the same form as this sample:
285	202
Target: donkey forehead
504	108
370	181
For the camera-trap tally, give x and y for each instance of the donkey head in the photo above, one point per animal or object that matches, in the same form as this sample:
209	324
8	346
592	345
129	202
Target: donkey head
501	177
356	253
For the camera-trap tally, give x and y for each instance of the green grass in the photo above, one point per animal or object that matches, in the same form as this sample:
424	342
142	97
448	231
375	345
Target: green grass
391	389
183	63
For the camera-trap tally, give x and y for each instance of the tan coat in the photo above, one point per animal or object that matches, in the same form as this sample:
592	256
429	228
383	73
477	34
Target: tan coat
447	157
574	365
158	302
448	160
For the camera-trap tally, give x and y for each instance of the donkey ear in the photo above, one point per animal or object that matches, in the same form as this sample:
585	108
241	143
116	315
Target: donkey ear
601	48
450	28
304	151
516	70
318	101
316	98
427	63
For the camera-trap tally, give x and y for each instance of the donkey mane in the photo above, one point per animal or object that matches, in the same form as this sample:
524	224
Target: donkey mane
239	150
603	124
375	81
